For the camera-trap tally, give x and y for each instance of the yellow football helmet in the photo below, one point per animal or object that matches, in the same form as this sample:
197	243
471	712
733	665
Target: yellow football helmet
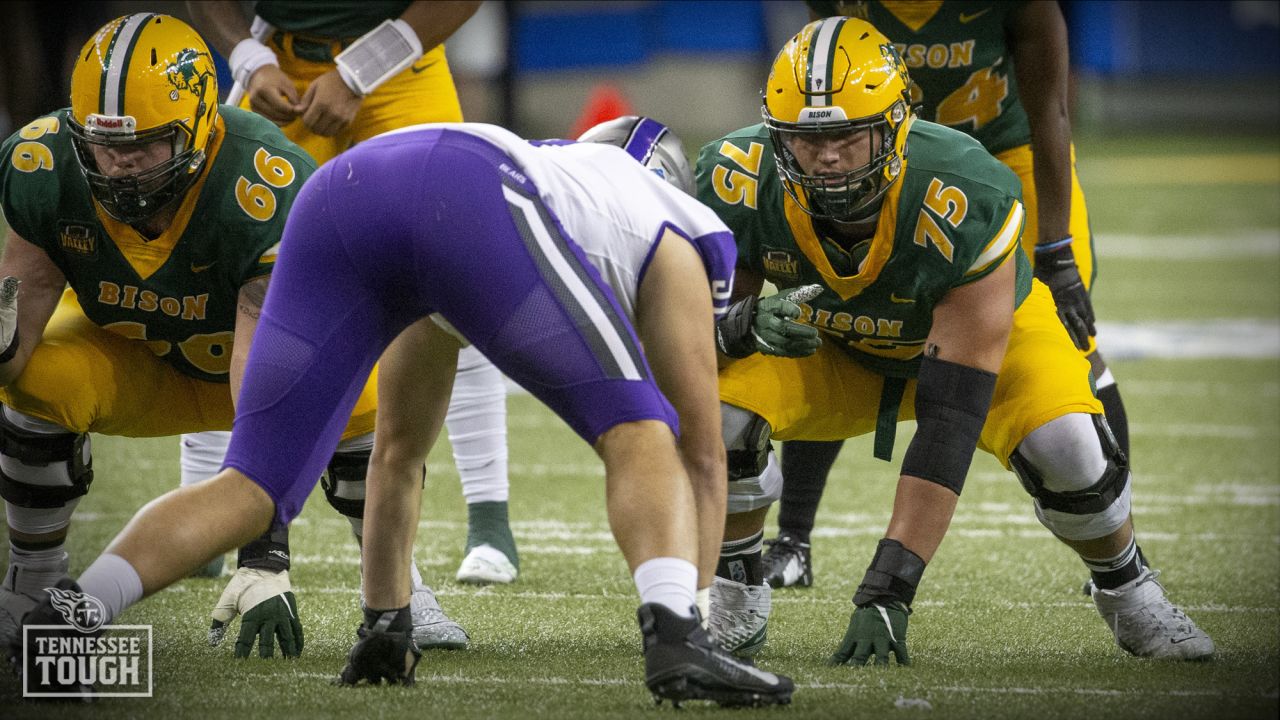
841	76
141	79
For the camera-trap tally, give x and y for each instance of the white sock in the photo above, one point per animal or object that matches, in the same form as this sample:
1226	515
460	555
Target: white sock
669	582
112	580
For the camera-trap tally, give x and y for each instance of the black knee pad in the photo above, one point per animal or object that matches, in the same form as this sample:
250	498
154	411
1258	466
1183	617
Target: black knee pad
1090	500
343	482
33	448
747	454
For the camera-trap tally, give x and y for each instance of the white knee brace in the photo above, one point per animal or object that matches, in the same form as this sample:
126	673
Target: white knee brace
755	478
1077	475
44	471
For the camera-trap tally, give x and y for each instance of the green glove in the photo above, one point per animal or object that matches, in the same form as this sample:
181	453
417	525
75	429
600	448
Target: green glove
269	612
775	330
876	629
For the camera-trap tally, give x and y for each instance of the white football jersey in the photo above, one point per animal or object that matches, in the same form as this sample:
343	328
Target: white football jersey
613	208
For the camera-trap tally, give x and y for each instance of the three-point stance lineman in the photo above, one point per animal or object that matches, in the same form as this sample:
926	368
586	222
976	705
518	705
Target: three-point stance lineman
927	312
538	254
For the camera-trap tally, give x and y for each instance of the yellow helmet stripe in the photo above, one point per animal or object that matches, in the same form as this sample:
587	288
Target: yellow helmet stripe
821	53
119	52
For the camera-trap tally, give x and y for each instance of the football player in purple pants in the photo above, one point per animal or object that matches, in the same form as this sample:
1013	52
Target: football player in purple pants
555	260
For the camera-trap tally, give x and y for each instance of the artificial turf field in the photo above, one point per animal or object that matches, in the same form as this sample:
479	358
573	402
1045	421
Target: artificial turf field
1188	232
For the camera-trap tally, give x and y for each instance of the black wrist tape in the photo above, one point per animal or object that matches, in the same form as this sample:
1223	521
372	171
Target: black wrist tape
268	552
393	620
952	401
7	354
894	575
734	337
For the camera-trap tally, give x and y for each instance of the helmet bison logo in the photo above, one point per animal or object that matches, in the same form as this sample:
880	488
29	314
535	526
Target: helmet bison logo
187	72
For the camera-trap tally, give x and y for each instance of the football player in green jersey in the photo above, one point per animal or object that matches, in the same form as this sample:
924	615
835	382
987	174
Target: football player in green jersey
295	66
998	72
162	212
906	297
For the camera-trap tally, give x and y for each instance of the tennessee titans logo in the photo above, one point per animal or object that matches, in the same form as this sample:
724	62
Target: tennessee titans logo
85	613
188	73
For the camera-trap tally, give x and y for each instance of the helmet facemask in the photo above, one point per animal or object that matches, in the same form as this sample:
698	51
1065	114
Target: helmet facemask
137	196
843	196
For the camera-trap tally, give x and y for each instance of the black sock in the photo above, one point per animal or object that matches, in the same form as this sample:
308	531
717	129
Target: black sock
740	560
1113	408
1111	573
805	466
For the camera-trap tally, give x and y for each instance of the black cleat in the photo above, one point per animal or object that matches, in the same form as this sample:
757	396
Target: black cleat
681	663
787	562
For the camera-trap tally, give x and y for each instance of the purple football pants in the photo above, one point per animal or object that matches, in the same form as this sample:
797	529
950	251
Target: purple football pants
395	229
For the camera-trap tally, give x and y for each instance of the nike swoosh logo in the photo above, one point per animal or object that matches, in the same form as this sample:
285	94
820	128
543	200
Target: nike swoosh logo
1175	641
973	16
417	69
895	298
201	268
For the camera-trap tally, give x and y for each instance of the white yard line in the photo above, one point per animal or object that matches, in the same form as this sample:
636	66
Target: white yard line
872	684
1199	248
1245	338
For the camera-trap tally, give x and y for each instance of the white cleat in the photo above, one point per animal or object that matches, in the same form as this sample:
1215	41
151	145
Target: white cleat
486	564
12	607
431	627
739	620
1146	624
22	588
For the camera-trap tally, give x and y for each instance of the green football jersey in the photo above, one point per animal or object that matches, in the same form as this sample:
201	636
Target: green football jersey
952	216
329	18
178	291
960	63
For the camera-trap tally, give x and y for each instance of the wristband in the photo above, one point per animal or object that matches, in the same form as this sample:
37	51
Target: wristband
270	551
12	348
735	336
378	55
1055	245
894	573
249	55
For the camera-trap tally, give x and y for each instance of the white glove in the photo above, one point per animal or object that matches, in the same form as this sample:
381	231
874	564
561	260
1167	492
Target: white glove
8	311
265	599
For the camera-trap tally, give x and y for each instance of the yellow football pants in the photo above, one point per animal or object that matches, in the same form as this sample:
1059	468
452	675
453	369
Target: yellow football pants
829	396
87	379
422	93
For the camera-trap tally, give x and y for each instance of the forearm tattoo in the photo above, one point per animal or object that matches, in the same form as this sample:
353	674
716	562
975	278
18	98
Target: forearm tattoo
252	295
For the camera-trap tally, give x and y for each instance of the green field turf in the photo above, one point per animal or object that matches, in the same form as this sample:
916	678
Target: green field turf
1000	628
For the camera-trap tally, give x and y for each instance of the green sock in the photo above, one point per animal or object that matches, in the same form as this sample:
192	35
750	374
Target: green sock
487	525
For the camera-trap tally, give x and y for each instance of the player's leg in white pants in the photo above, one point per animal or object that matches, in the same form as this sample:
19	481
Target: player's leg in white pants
200	459
477	425
44	471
